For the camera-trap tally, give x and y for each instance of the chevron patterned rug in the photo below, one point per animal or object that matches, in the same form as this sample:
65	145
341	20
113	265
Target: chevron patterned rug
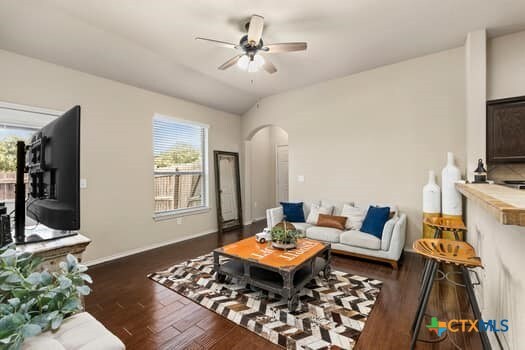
332	314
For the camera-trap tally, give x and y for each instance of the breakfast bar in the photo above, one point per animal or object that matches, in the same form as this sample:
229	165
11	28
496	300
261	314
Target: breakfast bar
506	204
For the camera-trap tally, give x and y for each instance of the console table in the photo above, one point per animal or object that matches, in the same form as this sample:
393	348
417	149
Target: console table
55	251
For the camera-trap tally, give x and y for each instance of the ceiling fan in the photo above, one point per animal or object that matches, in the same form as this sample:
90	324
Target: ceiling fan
252	45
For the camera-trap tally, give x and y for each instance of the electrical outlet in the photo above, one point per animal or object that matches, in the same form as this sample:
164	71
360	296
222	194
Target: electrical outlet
300	178
83	183
179	221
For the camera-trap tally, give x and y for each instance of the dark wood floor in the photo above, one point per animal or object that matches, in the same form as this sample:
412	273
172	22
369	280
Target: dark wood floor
146	315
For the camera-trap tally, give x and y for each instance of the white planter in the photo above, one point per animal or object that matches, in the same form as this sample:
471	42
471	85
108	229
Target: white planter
431	195
284	246
451	197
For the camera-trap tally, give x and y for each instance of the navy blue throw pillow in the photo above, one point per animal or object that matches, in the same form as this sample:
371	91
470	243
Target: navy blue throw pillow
375	220
293	212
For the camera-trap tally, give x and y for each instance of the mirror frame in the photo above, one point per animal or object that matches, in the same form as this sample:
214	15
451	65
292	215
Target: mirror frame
220	221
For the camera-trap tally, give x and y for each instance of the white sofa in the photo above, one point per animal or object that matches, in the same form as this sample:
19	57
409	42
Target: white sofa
352	242
79	332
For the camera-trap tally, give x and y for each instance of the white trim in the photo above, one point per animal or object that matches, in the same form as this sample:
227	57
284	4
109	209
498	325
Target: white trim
167	215
259	219
146	248
189	122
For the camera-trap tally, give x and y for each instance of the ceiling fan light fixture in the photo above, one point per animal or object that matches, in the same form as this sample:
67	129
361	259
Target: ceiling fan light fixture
243	62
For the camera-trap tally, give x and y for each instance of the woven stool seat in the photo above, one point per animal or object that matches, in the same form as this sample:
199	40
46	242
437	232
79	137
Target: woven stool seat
448	251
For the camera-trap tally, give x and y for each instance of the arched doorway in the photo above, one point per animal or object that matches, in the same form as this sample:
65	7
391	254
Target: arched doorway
266	170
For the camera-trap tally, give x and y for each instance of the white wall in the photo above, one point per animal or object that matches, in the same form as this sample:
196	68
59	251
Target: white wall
372	136
502	279
263	169
499	246
116	149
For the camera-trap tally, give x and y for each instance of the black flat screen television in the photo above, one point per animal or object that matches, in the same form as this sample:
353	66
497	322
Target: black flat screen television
52	161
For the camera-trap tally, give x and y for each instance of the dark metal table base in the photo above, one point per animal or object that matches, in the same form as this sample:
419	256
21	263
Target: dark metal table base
285	281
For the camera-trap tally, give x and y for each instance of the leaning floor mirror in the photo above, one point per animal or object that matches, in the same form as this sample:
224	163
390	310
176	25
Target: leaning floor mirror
228	190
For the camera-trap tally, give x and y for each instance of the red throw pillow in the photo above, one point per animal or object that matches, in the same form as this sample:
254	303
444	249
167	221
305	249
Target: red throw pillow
333	221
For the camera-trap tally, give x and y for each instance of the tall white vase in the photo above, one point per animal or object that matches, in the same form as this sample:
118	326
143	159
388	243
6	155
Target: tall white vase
451	197
431	195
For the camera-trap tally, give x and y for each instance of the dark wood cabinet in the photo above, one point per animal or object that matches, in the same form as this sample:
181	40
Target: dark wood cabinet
506	130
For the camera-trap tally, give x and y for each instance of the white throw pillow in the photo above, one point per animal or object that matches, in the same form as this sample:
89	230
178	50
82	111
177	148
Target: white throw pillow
354	217
315	210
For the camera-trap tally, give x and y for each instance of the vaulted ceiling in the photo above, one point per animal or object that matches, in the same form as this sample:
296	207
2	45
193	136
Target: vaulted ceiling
150	44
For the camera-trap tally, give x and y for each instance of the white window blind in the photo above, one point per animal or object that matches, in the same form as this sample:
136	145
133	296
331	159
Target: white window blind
180	171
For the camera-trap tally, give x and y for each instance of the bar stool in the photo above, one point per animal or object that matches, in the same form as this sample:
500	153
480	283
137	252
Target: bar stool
446	251
440	224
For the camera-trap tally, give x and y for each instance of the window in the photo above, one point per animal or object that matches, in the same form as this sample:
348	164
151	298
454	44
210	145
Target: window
17	123
180	167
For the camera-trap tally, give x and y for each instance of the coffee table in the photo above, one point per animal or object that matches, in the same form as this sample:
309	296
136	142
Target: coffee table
283	272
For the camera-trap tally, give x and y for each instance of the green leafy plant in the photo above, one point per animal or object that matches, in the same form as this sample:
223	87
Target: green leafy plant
285	233
34	301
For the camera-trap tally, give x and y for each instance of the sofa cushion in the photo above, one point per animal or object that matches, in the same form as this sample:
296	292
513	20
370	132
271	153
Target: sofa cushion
315	210
360	239
80	332
334	221
42	341
337	205
375	220
354	215
326	234
301	226
293	212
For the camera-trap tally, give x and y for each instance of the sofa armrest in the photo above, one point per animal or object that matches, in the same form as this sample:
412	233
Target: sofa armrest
397	242
388	230
274	216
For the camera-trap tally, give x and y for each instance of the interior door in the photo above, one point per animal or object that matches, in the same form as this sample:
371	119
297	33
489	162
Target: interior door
282	173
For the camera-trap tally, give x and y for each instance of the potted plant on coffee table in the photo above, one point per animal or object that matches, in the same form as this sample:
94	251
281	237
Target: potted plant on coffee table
285	236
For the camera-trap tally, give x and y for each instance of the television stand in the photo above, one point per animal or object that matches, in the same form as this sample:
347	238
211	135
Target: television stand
43	233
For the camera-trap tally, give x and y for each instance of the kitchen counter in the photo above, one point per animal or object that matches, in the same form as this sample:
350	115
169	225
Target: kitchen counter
506	204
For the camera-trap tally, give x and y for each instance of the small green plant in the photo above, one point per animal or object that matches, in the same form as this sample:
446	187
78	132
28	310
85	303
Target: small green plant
32	302
285	233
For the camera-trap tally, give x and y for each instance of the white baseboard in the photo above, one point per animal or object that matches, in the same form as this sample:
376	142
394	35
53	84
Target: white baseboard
251	221
146	248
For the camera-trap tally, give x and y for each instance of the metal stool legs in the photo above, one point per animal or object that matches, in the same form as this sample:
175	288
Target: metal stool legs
423	301
428	282
475	307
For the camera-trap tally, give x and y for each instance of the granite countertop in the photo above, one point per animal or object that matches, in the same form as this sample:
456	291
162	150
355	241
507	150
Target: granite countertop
506	204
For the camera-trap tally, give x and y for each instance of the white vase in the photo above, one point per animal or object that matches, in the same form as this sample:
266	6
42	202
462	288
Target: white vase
431	195
451	197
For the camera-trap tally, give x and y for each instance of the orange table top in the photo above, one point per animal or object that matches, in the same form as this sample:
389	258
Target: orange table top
264	254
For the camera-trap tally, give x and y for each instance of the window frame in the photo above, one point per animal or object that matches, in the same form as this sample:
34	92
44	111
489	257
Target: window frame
205	207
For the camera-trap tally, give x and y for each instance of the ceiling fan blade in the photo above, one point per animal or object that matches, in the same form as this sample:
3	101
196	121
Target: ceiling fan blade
269	66
284	47
255	29
230	62
219	43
